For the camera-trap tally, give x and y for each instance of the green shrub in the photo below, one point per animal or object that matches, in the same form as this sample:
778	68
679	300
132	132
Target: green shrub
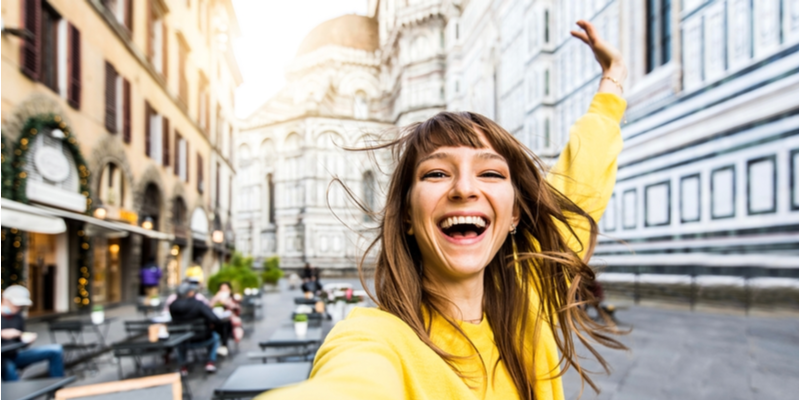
300	318
272	271
239	272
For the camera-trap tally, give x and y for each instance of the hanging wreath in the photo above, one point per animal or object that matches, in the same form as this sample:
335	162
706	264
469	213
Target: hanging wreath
13	239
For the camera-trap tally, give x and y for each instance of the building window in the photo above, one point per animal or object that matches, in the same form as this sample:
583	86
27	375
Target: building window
216	184
157	38
52	54
203	104
546	142
360	106
368	190
122	10
547	82
112	186
183	84
271	197
200	184
156	136
659	37
181	160
118	105
546	26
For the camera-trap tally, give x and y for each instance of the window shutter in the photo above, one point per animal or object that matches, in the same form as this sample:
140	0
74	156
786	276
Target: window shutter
31	47
150	32
199	173
207	99
111	98
164	52
165	142
176	165
126	111
186	160
74	74
147	112
129	15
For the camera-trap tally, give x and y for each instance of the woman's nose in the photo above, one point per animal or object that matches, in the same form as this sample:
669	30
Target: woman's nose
463	188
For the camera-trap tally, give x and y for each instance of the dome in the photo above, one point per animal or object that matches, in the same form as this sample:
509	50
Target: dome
353	31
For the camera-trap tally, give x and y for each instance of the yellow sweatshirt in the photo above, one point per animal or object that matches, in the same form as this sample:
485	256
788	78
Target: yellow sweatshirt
374	355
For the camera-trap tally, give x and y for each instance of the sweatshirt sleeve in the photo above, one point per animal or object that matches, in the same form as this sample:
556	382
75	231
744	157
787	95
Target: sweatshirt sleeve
586	171
351	364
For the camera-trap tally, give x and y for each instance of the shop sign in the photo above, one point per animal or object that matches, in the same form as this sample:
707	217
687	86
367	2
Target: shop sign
52	164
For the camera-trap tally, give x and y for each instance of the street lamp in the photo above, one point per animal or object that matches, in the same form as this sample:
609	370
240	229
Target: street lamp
100	213
217	236
147	223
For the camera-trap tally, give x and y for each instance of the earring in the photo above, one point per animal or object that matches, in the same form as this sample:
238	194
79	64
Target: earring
513	229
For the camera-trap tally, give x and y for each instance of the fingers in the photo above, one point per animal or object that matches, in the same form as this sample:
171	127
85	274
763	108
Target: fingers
582	36
590	30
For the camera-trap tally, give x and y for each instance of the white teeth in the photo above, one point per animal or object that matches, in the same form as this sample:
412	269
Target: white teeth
473	220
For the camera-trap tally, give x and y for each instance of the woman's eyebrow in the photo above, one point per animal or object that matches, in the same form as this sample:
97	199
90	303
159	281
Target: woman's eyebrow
433	156
490	156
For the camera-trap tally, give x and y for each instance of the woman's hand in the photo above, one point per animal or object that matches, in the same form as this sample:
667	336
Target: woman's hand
609	58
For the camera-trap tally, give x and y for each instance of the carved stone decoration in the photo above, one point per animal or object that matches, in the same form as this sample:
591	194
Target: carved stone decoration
37	104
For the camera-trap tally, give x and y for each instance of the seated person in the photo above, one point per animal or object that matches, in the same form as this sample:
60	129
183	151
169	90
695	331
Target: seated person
199	296
186	308
15	298
312	286
233	326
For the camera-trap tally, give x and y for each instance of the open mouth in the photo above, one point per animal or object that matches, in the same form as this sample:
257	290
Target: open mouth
463	227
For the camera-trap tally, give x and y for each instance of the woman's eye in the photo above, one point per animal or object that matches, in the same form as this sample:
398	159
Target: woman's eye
493	174
434	174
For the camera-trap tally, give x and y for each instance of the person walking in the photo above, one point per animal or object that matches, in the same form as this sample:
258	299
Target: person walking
151	277
481	262
12	330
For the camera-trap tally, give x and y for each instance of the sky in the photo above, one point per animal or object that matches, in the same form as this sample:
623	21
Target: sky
272	30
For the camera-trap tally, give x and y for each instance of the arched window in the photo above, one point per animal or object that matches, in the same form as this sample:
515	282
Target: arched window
360	106
368	190
179	214
112	186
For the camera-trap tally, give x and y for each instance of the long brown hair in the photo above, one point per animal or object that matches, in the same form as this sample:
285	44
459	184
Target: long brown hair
545	267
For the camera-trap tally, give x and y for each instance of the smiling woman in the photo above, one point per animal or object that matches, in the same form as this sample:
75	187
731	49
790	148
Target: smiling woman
481	267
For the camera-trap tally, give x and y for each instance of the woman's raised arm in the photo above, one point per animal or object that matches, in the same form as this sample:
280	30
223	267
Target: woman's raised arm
586	170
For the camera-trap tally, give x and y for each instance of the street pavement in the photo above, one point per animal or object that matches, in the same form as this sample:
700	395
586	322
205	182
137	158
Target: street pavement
674	354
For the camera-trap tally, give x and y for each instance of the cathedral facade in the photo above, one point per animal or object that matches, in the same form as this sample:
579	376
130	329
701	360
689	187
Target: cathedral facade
708	176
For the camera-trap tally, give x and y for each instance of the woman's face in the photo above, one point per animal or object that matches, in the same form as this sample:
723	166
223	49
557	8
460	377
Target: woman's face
461	209
225	288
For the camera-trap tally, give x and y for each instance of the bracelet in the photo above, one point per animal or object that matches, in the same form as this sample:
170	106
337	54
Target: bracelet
616	82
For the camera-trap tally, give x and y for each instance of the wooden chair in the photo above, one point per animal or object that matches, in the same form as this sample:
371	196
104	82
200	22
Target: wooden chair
159	387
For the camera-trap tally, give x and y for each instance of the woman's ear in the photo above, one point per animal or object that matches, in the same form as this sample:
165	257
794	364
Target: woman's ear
408	224
515	216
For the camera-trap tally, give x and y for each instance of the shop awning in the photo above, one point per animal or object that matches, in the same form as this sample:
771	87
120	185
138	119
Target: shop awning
28	218
106	225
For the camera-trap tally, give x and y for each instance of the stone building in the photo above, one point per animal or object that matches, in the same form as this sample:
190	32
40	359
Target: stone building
289	151
118	129
707	181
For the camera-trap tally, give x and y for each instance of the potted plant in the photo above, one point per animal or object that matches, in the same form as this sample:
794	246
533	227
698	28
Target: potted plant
98	315
272	274
301	324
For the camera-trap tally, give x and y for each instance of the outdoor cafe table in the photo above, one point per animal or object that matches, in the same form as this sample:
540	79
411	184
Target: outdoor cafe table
252	380
27	389
285	336
141	346
13	347
304	301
